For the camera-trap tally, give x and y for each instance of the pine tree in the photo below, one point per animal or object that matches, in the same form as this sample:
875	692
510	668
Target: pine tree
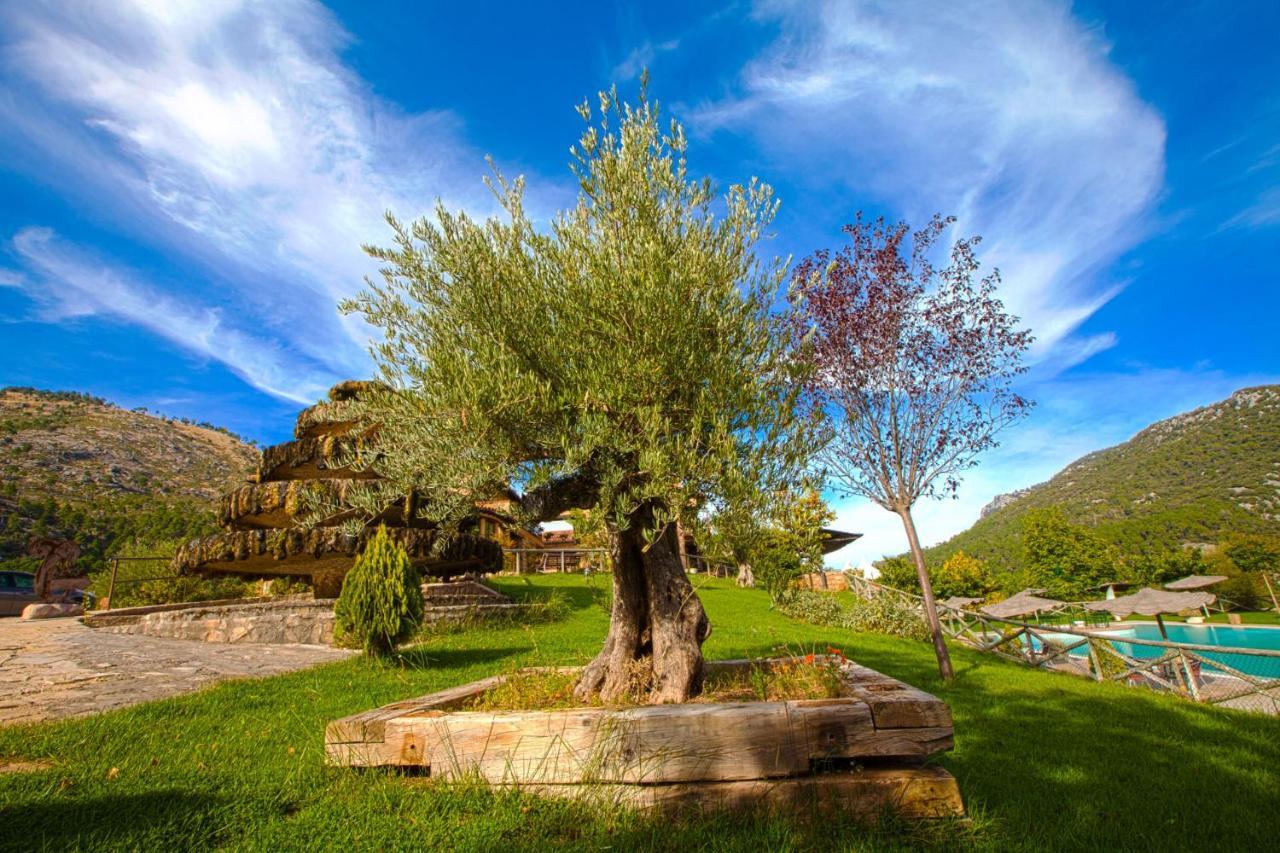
381	602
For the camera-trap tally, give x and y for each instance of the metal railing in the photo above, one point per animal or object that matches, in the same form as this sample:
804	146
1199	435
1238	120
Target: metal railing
533	560
105	603
1241	678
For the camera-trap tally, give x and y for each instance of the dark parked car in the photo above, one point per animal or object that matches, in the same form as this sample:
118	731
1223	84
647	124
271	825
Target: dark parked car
18	589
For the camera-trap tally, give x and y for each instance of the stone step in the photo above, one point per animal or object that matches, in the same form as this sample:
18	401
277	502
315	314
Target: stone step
462	612
440	600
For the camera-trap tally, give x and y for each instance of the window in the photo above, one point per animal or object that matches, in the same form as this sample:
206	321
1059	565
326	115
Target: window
23	581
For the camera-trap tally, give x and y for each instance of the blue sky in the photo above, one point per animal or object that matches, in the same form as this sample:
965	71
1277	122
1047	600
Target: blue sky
186	185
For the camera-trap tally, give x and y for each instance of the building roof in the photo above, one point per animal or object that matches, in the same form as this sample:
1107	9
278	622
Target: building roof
833	540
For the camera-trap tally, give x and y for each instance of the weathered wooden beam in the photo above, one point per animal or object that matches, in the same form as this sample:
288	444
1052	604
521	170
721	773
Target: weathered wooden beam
918	793
881	718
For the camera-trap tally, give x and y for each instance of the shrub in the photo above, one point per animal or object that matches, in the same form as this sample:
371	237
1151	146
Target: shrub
776	565
883	614
962	575
899	573
381	602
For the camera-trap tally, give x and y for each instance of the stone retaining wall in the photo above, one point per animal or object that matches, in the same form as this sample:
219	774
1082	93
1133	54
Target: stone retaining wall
281	621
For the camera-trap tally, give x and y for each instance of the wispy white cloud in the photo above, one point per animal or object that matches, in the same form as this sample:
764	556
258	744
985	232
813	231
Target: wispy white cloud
1008	114
233	133
68	283
641	58
1263	213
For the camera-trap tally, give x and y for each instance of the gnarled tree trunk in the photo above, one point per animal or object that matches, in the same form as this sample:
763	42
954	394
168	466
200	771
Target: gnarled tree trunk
657	625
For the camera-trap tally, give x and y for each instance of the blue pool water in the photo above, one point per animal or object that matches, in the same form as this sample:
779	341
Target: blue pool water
1228	636
1209	635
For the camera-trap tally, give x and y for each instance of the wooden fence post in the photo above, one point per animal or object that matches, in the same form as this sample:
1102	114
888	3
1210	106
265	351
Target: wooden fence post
1097	661
1191	679
111	587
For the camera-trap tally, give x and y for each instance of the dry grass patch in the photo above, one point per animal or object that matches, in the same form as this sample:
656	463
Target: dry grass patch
776	680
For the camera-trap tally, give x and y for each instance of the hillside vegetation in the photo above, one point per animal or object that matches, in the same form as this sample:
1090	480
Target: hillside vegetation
76	466
1192	479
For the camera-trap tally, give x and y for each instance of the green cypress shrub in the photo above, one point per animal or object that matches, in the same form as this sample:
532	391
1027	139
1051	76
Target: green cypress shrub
381	602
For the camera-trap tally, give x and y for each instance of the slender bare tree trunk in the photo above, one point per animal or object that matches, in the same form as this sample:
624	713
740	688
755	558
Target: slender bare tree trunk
746	577
657	625
926	592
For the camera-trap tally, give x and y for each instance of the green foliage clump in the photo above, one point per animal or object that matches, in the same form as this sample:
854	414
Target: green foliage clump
959	574
1065	559
656	375
900	573
790	545
107	526
1252	552
883	614
963	575
1147	569
381	602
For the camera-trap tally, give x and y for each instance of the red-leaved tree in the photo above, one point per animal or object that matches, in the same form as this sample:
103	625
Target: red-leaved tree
912	363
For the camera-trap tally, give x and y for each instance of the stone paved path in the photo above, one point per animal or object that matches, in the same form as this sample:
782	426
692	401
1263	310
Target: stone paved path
55	668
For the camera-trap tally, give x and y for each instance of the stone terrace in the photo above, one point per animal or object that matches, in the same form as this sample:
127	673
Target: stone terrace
56	668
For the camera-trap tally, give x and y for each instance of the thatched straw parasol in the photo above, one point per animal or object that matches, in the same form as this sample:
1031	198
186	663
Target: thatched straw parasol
959	602
1153	602
1023	604
1194	582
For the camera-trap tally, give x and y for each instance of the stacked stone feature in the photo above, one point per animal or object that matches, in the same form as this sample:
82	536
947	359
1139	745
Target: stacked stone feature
263	533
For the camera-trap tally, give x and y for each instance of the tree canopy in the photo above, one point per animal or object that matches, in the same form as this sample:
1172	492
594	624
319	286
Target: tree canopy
913	363
622	358
628	344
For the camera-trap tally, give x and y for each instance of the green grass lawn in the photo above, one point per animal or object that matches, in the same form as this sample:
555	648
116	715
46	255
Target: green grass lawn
1044	761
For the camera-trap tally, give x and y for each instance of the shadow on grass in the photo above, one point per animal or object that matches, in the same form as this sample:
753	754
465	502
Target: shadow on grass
1053	761
433	657
173	818
1115	764
587	592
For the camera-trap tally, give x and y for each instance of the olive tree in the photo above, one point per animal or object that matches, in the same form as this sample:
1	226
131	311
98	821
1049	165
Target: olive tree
623	359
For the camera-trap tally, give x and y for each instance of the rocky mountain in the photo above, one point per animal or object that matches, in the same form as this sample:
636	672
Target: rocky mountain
72	464
1190	479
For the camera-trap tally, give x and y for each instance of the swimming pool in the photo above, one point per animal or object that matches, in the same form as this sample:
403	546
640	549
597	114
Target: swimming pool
1227	636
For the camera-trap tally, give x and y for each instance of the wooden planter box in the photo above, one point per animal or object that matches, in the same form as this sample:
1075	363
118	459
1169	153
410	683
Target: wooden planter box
862	752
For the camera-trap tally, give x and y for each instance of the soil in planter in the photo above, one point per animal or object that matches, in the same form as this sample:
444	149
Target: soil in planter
796	678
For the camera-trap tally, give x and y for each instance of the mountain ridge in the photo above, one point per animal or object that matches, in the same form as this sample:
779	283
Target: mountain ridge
75	465
1185	480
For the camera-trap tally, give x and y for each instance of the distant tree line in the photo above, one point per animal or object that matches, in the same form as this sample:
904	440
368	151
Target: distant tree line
90	399
1071	561
104	527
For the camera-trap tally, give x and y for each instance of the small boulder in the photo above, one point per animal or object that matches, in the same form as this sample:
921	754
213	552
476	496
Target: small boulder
51	611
